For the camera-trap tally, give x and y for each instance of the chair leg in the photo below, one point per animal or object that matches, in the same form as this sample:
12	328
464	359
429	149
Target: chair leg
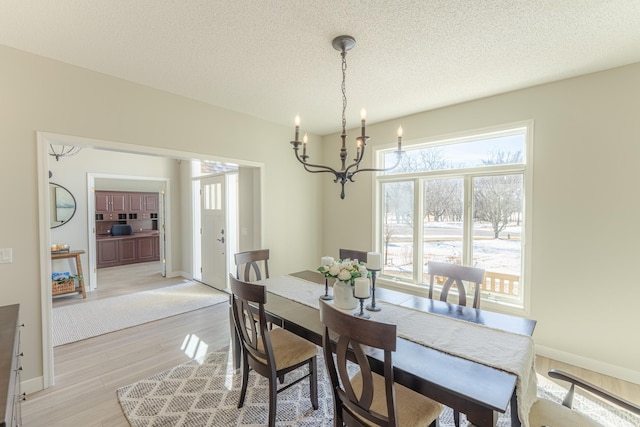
313	382
456	418
245	380
273	399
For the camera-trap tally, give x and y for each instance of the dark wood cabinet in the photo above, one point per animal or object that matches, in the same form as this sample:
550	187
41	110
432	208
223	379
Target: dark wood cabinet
148	248
107	253
119	202
112	251
135	208
111	206
103	202
128	250
150	204
126	206
136	203
10	367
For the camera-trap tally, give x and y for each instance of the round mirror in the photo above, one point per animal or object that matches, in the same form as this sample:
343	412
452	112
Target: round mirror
63	205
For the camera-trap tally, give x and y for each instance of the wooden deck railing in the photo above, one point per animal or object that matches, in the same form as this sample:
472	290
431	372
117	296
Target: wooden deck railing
496	283
500	283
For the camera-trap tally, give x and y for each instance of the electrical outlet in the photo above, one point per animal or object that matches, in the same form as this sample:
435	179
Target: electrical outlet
6	256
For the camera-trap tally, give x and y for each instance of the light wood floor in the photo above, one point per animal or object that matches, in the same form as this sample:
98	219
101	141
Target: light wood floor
87	373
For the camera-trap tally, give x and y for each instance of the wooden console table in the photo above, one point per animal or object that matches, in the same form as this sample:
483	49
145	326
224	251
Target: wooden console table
76	255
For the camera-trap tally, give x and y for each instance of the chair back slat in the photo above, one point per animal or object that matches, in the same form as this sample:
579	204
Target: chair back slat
455	274
248	265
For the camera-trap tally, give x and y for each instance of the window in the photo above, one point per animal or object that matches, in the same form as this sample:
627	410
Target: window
464	200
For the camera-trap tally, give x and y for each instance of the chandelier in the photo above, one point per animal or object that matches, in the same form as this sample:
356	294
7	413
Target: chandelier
58	151
346	173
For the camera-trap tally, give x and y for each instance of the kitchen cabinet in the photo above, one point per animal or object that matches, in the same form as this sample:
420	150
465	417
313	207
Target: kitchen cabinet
107	253
121	250
148	248
111	206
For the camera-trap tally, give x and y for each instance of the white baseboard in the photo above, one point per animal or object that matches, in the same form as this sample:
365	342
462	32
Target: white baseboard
591	364
32	385
172	274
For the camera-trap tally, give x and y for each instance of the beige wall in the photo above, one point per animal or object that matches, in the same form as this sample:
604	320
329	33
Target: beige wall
39	94
584	286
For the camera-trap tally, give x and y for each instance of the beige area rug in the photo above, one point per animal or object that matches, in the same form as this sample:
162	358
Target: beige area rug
81	321
205	393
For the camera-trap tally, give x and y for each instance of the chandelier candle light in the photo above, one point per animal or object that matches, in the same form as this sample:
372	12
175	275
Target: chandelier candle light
346	173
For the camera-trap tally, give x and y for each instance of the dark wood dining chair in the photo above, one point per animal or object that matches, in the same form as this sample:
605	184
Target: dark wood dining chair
454	274
270	353
366	398
547	413
248	265
351	254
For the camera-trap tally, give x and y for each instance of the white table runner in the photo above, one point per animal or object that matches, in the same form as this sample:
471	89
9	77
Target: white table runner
499	349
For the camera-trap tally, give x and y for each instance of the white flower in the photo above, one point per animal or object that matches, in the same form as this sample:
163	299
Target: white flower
344	275
344	270
334	270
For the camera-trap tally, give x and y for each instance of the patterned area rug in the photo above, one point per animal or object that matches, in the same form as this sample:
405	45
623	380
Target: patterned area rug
92	318
205	393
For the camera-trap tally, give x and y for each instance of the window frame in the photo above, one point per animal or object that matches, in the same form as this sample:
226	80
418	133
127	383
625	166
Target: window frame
416	285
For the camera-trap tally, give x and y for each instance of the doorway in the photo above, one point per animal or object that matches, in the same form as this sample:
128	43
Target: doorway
125	184
213	226
180	224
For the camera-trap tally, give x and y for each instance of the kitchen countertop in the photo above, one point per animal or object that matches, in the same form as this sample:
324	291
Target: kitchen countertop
136	234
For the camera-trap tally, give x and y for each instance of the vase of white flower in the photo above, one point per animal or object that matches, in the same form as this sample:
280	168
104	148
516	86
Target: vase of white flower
343	295
345	272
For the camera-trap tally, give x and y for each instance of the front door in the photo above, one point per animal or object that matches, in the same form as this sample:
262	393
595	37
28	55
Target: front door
214	231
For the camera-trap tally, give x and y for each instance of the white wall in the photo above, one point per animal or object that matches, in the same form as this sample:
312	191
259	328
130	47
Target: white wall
39	94
584	287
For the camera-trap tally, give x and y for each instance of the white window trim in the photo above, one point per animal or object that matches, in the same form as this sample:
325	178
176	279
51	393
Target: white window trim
503	306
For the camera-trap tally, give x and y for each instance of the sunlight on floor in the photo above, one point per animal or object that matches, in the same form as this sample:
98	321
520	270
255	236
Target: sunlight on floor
228	381
194	348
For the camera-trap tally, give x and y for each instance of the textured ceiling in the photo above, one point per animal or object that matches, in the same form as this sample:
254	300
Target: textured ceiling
273	58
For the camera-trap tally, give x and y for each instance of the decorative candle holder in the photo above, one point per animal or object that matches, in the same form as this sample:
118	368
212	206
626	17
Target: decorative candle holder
326	295
361	313
373	306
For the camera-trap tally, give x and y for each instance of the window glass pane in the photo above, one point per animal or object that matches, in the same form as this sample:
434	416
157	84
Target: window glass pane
470	154
397	229
497	231
208	167
443	202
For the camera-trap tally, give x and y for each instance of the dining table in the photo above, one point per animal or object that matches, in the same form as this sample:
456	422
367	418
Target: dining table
473	388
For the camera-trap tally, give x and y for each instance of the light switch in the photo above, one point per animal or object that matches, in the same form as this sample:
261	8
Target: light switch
6	256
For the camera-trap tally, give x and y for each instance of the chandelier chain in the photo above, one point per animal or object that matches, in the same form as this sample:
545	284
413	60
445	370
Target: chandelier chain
344	91
346	173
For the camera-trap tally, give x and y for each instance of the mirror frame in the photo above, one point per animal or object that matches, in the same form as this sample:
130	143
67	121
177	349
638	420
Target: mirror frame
53	210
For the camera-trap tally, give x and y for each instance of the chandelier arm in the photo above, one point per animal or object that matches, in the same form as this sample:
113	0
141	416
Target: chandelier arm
399	158
355	164
321	169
